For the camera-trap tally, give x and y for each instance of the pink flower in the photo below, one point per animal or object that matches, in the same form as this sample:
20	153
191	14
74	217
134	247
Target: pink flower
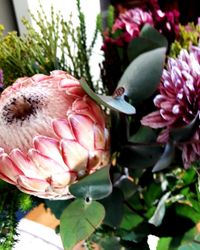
179	101
131	23
52	133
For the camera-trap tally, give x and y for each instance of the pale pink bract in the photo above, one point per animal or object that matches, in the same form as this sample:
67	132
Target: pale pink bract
52	134
179	101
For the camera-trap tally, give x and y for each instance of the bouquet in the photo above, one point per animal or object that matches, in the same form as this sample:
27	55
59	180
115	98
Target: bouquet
116	160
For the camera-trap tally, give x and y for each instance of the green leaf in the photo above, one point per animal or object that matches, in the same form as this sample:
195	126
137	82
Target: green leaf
127	187
117	103
139	156
153	35
186	132
149	39
158	216
113	202
164	243
95	186
152	194
110	243
166	158
130	219
57	206
144	134
188	212
142	76
79	220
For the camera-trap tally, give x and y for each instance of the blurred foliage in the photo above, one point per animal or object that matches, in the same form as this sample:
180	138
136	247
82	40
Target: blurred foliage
188	35
47	45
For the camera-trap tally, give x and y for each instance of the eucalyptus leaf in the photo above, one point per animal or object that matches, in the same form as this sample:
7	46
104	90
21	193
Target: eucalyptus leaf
117	103
130	219
144	134
142	76
95	186
57	206
166	158
186	132
79	220
114	202
158	215
110	243
148	39
139	155
153	35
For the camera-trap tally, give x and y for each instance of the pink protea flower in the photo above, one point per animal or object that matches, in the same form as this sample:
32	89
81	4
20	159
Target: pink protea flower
131	23
179	101
52	134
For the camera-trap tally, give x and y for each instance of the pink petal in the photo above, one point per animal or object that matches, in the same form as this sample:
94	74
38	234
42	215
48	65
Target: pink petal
32	184
62	129
24	163
9	169
61	180
74	155
99	138
83	129
94	159
163	136
75	91
154	120
1	151
68	82
87	107
49	147
45	165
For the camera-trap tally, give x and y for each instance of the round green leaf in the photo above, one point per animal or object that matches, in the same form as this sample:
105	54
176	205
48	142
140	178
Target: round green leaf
95	186
149	39
115	103
79	220
142	76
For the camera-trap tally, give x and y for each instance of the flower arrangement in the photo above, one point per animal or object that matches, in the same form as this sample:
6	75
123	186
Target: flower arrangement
116	161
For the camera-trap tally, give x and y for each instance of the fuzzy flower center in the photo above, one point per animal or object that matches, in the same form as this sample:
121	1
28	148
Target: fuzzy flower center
20	109
28	111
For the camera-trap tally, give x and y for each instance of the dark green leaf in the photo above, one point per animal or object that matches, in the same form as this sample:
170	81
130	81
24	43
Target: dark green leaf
186	132
142	76
79	220
96	186
139	156
127	186
166	158
153	35
116	103
158	216
111	243
113	202
57	206
149	39
144	134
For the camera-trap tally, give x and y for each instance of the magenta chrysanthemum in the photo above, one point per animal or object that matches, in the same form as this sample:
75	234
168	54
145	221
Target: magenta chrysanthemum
52	133
131	23
179	101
